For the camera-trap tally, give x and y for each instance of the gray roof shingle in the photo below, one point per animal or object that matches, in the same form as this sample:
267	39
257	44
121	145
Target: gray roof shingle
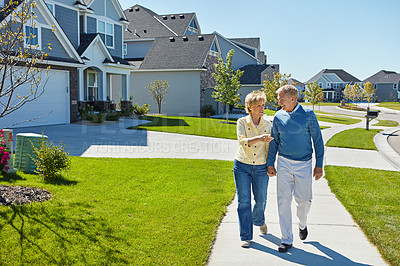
255	74
343	75
253	42
179	54
383	76
146	24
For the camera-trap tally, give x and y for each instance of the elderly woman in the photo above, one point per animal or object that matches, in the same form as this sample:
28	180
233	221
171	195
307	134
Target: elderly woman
250	168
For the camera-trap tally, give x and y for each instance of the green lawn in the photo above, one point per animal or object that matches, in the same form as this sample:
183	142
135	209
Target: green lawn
119	211
209	127
387	123
338	119
372	197
356	138
390	105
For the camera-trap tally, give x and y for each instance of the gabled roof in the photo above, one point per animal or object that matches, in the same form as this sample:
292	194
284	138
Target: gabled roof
255	74
176	53
383	76
253	42
343	75
146	24
50	20
92	39
296	82
116	4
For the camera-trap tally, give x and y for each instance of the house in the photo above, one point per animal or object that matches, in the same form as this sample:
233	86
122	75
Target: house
333	82
386	84
300	86
172	47
86	53
253	77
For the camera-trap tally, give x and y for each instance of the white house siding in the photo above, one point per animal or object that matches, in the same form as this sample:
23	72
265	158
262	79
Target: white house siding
183	96
240	58
138	49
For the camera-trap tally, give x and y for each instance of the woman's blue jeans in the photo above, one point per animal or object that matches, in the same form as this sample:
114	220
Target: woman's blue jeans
248	177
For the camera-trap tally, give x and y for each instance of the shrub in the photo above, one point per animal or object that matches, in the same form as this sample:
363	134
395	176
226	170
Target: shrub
141	110
4	152
50	159
207	111
112	116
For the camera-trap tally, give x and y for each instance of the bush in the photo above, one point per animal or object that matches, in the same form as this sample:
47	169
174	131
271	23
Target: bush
50	159
207	111
94	117
112	116
141	110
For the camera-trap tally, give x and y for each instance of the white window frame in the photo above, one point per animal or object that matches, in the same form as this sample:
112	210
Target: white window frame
39	37
105	32
394	86
52	9
95	85
125	49
2	3
320	84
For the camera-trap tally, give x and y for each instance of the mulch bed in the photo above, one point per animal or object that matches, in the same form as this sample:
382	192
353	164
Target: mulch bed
10	195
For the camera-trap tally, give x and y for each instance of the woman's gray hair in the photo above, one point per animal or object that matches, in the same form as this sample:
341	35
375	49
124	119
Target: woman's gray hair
254	97
289	90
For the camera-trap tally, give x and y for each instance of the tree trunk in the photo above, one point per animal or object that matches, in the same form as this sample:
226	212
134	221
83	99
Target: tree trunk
227	111
159	108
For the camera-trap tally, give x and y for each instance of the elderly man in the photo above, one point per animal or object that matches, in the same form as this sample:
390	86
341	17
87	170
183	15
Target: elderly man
293	130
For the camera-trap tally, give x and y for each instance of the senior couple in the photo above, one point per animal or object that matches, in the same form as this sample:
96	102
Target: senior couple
294	131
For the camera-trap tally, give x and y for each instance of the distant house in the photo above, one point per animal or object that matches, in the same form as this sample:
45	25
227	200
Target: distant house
333	82
171	47
386	84
299	85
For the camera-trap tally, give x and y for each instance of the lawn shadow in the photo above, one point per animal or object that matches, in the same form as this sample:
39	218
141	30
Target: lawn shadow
10	177
160	122
69	231
301	257
59	180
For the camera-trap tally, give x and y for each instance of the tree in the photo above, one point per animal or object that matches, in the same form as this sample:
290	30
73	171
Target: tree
354	93
313	93
158	90
22	65
369	92
272	85
228	84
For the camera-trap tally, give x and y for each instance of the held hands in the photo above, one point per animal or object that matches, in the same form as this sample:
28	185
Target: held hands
271	171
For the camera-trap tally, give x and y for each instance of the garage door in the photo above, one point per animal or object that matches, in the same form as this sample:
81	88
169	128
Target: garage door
49	109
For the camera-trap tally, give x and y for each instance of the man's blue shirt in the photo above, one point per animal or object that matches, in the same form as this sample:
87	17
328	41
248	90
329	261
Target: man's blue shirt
292	133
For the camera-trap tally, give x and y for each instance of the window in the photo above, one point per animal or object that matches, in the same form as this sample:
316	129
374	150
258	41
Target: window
51	8
93	89
106	31
32	37
2	3
125	49
394	86
320	84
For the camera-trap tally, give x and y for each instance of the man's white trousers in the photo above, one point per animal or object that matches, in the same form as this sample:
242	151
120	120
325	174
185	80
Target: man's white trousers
293	178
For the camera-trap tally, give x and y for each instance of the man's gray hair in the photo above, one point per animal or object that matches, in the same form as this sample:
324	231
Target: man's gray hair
289	90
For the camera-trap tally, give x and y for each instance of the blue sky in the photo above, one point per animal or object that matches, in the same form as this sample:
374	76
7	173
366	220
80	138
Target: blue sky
304	36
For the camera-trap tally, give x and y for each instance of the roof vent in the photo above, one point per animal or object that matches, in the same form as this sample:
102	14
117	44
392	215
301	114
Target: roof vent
164	17
173	17
181	16
137	9
145	31
185	39
171	39
130	9
201	38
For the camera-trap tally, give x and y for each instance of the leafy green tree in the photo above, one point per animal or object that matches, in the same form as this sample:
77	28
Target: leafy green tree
228	84
369	92
354	92
313	93
158	90
21	63
272	85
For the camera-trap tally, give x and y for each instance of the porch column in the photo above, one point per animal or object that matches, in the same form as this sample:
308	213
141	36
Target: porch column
102	79
108	87
81	84
125	87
